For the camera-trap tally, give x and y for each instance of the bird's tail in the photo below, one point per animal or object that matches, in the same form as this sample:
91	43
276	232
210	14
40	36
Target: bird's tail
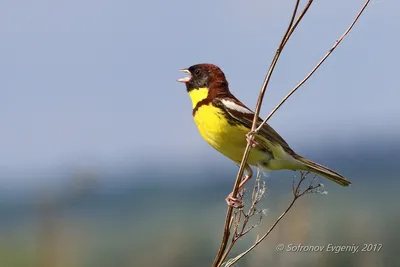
323	171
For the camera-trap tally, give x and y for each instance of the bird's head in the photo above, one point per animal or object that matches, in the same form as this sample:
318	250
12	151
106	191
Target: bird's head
204	81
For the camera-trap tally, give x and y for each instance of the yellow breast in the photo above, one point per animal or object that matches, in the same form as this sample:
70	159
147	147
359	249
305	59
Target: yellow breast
228	139
213	126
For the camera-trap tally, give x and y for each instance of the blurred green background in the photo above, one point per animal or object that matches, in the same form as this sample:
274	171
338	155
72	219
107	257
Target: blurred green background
157	223
102	165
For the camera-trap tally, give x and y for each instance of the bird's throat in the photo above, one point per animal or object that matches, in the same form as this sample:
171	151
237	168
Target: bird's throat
197	95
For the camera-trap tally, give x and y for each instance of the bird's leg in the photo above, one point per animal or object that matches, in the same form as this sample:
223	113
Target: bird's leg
233	201
252	142
237	202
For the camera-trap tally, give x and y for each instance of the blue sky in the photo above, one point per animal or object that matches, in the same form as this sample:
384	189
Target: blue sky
93	82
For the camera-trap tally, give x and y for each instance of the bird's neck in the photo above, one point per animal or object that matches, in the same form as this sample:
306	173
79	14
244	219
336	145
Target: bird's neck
197	95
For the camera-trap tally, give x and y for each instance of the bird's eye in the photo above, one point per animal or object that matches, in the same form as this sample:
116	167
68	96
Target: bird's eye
197	72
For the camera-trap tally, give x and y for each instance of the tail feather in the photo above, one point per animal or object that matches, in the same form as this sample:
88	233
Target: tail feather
323	171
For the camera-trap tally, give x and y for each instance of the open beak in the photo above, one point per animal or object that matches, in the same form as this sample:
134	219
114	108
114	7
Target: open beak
185	79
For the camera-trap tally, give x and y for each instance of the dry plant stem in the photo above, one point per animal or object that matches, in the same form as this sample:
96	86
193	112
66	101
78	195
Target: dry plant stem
297	193
305	9
291	28
338	41
296	190
264	236
217	261
238	214
284	40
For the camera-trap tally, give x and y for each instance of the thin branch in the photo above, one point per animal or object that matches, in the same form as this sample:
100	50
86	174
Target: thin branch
259	240
257	195
305	9
297	193
217	261
271	69
316	67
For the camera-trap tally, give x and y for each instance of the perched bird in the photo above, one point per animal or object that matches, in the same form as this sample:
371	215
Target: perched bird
224	122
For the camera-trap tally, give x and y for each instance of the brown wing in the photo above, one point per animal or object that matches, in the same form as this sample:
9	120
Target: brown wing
241	114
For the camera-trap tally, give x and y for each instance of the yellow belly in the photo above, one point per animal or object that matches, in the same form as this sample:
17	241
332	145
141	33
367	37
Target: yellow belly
230	140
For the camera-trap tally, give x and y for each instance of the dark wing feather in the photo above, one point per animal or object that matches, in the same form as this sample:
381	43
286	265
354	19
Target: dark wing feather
246	119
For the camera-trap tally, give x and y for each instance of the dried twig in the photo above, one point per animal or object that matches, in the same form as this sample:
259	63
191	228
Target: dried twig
338	41
298	192
241	228
292	26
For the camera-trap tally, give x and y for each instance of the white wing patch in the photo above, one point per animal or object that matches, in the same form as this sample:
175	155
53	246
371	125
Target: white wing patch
232	105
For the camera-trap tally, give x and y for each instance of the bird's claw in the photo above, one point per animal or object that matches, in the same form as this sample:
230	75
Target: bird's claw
249	139
233	202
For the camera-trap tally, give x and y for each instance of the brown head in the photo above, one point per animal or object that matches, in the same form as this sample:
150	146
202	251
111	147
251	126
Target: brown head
204	83
205	76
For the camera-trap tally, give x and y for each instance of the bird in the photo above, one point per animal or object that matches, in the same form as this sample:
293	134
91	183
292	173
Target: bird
225	122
